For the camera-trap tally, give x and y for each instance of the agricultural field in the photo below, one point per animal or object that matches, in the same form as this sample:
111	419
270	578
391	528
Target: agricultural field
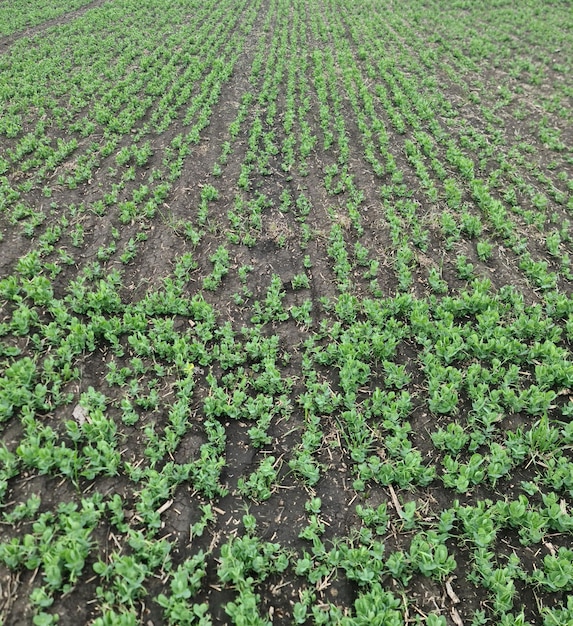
286	312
